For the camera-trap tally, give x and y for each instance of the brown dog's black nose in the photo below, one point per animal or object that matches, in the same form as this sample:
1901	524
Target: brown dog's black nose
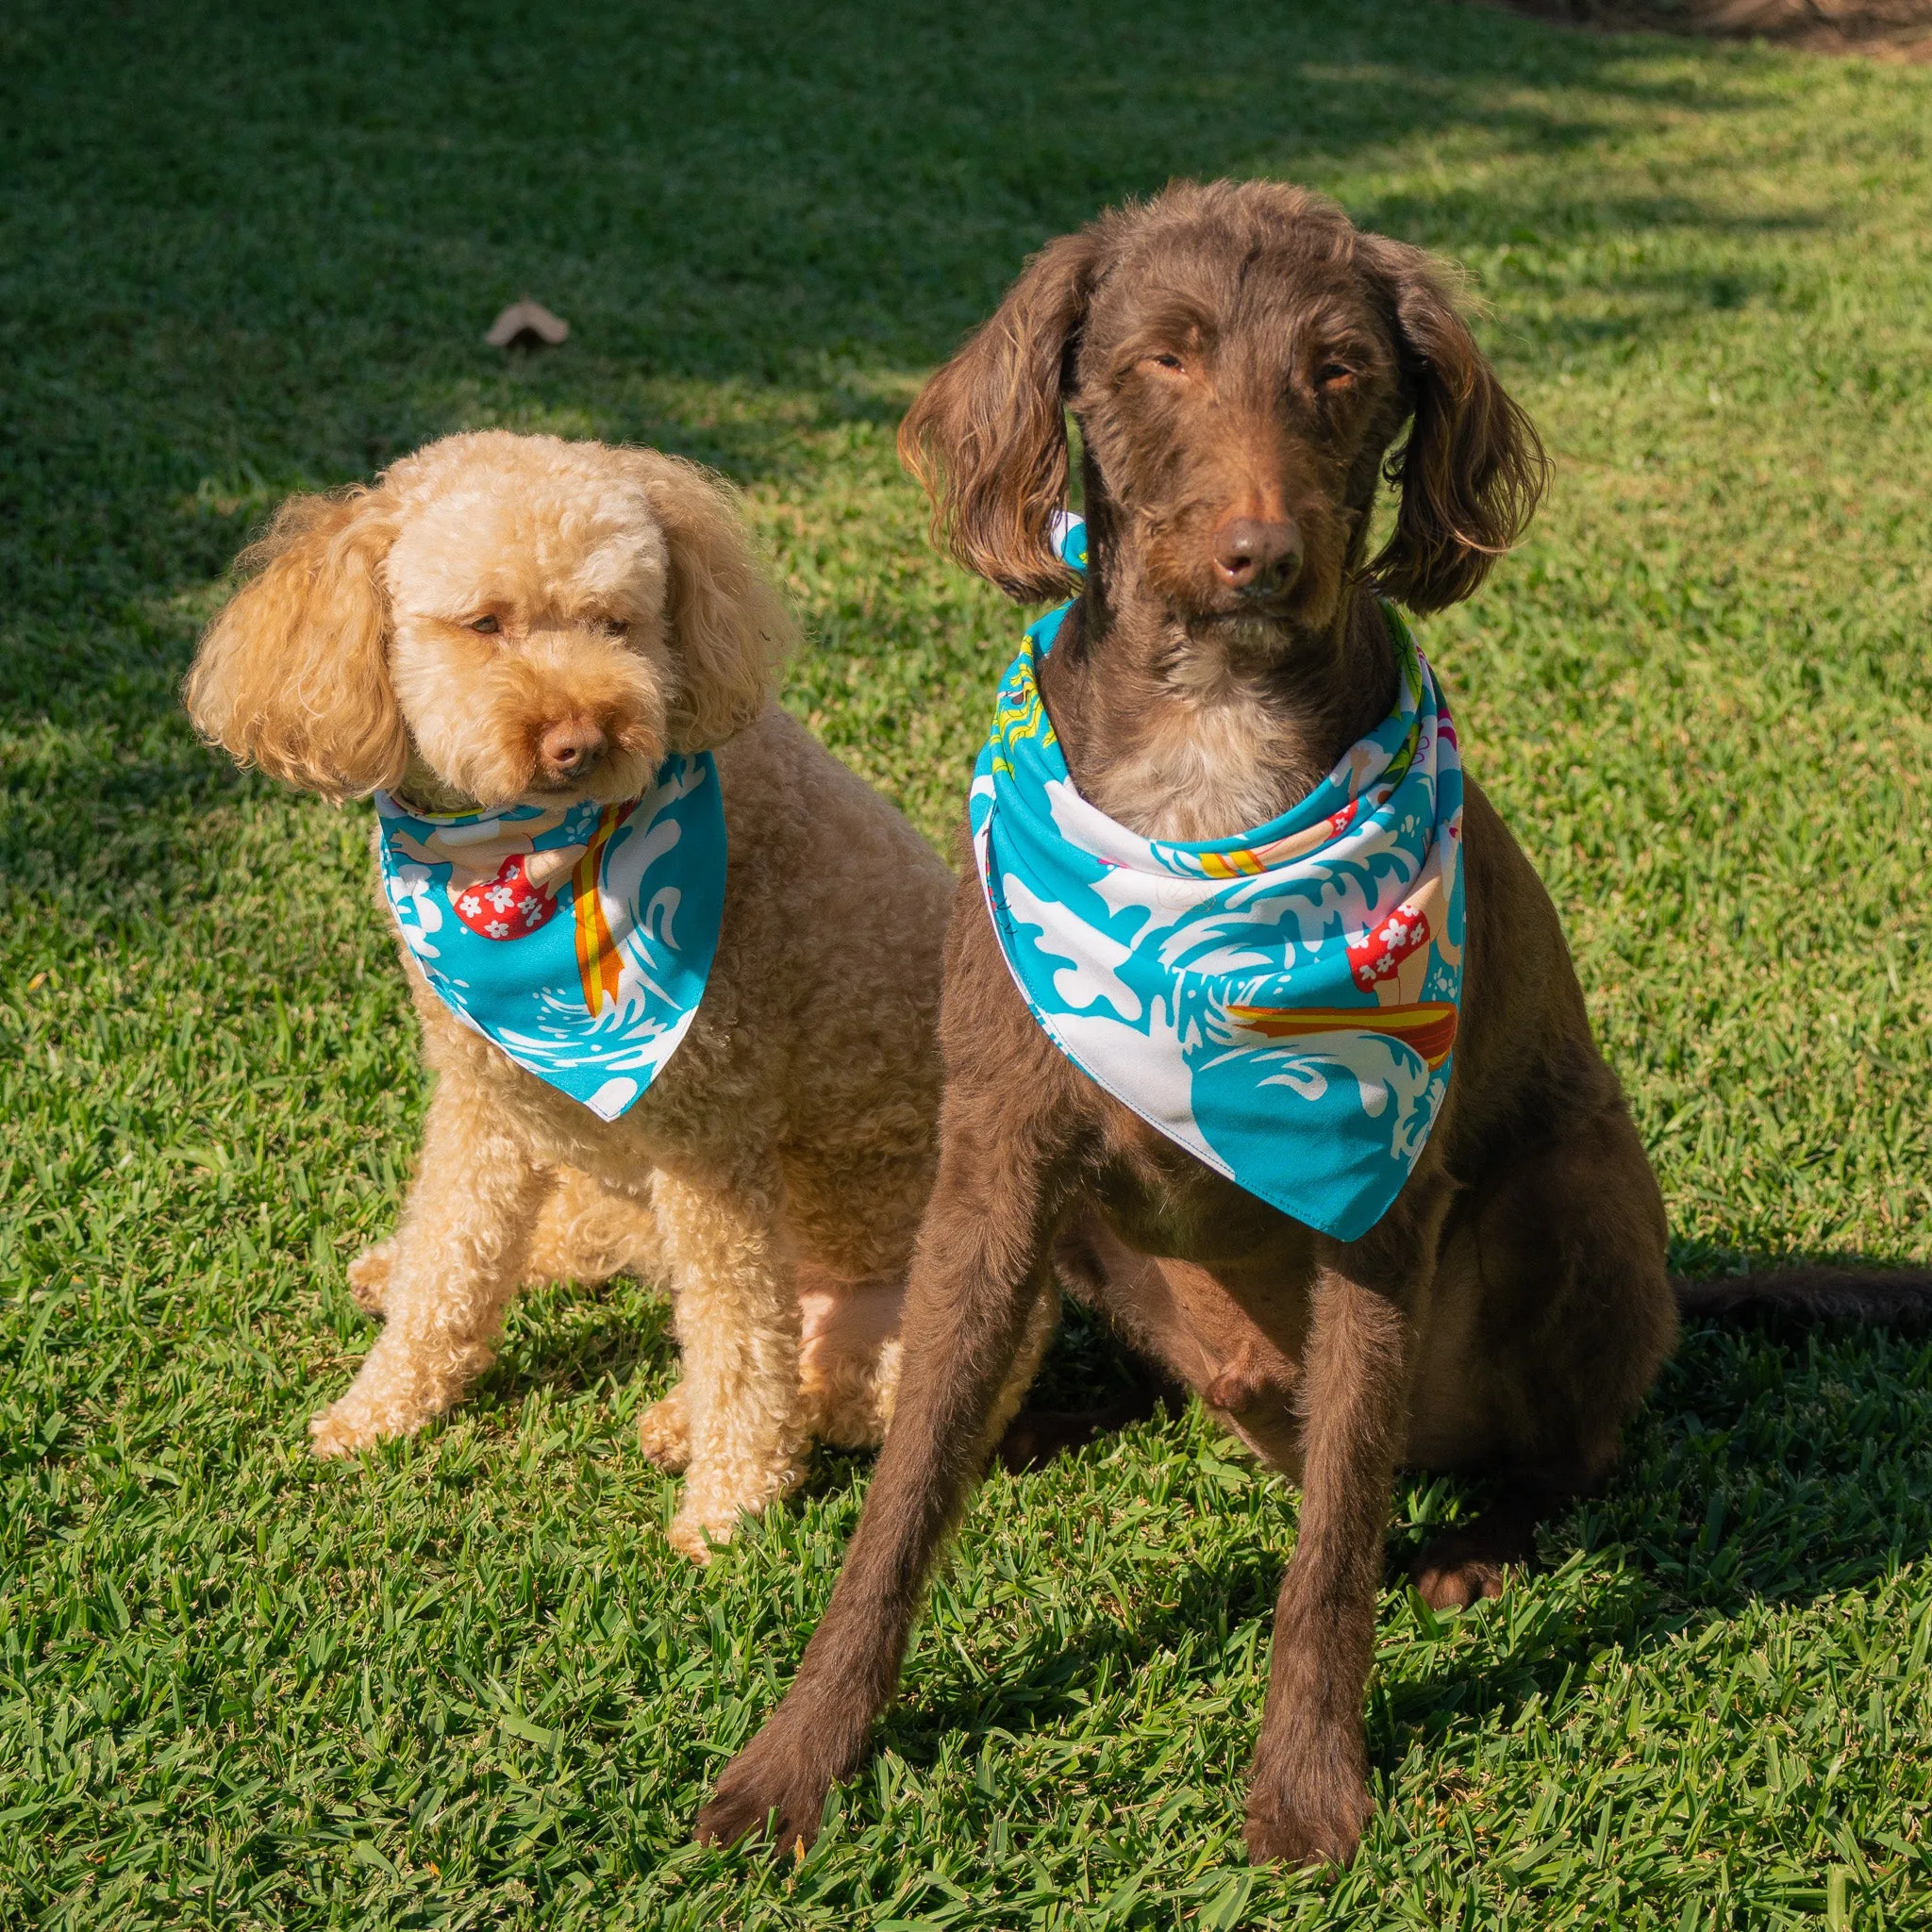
571	747
1256	557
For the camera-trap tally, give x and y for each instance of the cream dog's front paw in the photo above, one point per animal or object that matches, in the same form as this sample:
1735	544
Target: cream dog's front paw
664	1432
348	1426
379	1404
342	1429
718	1501
368	1276
694	1536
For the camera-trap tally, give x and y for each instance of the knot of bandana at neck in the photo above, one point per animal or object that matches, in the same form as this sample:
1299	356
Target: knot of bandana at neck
1282	1004
578	938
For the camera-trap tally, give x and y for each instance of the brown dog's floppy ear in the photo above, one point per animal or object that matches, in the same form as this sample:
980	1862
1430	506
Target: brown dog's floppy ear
728	625
1473	468
293	676
988	435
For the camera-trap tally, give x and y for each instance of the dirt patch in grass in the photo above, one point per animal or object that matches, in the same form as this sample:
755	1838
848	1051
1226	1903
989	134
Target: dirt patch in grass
1896	30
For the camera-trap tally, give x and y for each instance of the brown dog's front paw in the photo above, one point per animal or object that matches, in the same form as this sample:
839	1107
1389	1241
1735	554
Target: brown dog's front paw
1312	1810
768	1782
1291	1834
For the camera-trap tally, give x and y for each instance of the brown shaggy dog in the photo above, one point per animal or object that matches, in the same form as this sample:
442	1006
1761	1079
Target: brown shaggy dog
1241	360
513	619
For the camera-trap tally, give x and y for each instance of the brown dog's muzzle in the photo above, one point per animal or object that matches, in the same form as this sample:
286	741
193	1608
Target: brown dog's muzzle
570	748
1258	559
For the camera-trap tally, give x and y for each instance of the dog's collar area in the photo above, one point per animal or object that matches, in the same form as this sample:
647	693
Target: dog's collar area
419	810
1282	1004
519	807
578	938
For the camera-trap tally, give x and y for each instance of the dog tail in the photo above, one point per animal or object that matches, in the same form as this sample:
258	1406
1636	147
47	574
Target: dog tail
1888	1297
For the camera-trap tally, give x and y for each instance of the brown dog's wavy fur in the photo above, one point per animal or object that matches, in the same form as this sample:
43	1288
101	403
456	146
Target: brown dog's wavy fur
1472	469
1239	354
988	435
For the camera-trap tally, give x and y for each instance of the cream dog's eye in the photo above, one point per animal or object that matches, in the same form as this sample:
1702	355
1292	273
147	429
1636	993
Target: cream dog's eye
615	627
488	625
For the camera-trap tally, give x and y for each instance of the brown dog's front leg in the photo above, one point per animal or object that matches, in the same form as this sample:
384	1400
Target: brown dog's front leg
975	1278
1309	1798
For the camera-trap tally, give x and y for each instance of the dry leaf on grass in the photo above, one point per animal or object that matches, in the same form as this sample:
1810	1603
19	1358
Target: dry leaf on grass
526	325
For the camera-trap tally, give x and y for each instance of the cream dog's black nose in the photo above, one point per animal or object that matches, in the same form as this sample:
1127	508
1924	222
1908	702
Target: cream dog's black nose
574	745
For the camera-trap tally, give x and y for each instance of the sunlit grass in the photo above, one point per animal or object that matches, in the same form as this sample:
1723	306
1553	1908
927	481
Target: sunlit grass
464	1682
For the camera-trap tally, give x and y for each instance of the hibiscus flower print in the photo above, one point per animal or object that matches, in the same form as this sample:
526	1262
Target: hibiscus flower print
506	906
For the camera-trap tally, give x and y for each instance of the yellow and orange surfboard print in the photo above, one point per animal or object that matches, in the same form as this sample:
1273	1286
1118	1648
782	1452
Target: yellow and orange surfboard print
600	965
1428	1026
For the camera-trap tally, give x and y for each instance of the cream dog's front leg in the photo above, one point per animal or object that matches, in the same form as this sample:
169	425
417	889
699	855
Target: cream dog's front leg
453	1264
736	1289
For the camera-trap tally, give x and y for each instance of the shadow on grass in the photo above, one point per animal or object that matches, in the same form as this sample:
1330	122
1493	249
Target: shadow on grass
254	271
248	271
1778	1462
565	1336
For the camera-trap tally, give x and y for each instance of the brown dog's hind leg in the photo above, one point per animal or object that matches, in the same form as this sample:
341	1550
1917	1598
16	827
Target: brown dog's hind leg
1185	1330
1568	1256
1038	1435
1466	1564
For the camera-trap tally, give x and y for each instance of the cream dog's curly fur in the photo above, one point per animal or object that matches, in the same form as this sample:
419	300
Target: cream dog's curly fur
510	619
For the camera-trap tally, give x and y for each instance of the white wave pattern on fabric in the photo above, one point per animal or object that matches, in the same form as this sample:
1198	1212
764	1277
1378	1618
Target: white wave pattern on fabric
578	938
1282	1004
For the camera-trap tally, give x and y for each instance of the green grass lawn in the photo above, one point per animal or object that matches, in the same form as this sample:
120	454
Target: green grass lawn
464	1681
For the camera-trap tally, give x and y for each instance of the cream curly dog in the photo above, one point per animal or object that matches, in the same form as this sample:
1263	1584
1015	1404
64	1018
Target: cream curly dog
507	620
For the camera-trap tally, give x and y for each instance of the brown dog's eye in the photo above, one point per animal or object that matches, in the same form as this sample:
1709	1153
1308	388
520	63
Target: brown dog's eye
1167	361
1334	375
488	625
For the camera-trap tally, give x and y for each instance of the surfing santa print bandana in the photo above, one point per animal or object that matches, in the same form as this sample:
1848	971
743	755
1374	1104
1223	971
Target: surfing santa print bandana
578	938
1282	1004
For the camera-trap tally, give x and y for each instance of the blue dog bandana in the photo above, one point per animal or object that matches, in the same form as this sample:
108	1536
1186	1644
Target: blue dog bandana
578	938
1282	1004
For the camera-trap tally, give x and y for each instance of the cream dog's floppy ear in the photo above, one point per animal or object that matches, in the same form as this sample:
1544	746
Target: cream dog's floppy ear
728	625
294	674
